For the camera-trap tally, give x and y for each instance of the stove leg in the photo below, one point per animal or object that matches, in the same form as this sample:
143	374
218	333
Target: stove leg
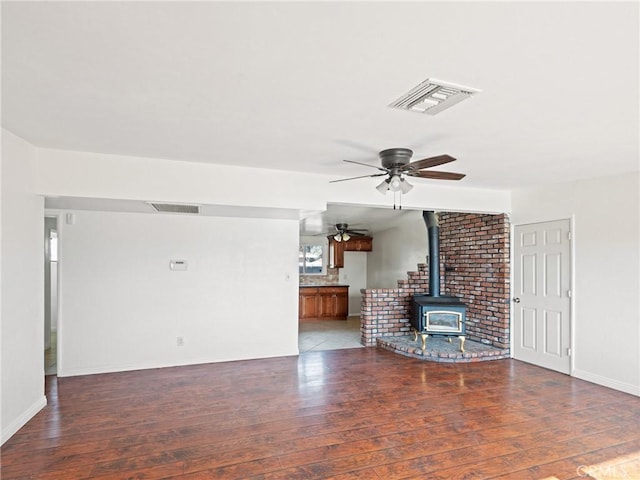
449	339
415	335
462	339
424	340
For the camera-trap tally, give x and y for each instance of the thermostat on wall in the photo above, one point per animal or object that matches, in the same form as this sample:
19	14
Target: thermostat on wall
178	265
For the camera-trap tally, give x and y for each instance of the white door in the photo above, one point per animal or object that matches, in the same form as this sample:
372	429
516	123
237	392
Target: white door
542	275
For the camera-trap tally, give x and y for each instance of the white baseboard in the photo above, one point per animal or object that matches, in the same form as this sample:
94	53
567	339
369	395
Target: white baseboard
19	422
607	382
73	372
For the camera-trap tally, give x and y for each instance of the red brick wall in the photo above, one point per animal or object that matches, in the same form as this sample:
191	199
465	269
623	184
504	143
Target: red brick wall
474	254
385	312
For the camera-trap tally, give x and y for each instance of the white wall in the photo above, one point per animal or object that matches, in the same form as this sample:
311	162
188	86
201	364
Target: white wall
397	250
22	287
122	308
606	294
354	274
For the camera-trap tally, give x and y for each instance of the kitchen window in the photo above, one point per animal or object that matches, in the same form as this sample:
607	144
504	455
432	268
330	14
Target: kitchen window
311	259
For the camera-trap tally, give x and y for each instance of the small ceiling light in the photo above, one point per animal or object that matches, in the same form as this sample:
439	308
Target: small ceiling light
394	183
346	236
337	237
405	187
383	187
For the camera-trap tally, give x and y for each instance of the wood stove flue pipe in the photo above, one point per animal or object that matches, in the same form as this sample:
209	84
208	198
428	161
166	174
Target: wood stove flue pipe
433	230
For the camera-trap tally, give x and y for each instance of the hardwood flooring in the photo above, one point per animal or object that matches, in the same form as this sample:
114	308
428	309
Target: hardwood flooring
342	414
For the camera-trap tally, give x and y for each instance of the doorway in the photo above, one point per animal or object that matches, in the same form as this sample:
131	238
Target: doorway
542	294
50	295
317	334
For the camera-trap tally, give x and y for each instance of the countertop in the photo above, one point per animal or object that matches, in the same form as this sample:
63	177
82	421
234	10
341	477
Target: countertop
323	286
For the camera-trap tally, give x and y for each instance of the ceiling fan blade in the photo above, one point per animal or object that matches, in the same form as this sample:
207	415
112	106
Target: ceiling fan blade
437	175
428	163
361	176
355	234
366	165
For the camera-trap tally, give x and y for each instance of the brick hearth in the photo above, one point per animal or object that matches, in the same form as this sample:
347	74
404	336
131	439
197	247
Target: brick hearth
440	350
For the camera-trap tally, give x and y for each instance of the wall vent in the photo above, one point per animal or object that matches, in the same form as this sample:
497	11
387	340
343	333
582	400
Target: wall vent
175	208
433	96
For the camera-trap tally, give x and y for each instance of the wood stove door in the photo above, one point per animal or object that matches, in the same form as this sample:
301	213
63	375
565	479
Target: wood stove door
541	290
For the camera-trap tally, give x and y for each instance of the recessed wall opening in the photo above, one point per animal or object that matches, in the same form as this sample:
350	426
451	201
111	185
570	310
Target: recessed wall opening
50	295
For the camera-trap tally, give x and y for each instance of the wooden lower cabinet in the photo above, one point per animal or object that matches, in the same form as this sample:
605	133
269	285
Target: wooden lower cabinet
327	303
308	304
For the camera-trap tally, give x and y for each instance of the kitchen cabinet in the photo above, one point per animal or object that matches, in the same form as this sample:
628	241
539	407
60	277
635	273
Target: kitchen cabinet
324	302
308	303
338	253
359	244
354	244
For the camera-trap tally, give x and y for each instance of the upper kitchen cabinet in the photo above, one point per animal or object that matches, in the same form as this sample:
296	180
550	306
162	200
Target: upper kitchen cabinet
354	244
358	244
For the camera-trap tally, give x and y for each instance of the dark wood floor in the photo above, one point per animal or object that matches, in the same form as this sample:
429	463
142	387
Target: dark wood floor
343	414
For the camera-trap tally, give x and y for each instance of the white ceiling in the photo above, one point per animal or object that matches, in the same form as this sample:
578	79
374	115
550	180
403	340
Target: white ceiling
304	85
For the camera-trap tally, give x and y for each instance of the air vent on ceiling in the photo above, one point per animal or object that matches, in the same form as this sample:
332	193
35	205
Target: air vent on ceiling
175	208
433	96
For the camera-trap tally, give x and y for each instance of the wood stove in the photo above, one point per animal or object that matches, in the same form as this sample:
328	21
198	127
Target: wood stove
438	316
434	314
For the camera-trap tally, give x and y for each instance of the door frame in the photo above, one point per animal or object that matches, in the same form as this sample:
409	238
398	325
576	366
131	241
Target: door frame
572	280
54	213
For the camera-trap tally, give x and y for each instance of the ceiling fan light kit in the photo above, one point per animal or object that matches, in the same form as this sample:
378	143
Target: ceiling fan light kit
395	184
344	233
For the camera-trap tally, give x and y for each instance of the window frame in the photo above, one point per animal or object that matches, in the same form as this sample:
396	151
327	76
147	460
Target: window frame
302	268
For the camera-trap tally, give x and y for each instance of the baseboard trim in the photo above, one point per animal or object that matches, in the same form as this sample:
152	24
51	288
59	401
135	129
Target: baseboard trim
607	382
21	421
74	372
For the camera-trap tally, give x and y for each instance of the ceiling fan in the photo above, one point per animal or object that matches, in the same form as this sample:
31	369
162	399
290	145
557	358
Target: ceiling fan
344	233
396	163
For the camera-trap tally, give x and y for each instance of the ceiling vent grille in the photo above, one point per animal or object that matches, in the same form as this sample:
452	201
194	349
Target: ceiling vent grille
433	96
175	208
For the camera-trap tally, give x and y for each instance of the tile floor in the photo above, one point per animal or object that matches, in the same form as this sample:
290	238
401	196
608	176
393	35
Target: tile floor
315	335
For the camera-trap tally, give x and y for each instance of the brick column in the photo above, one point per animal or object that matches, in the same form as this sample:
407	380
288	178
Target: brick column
475	251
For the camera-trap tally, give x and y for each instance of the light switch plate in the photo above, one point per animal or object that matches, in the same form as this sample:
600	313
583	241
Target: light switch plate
178	265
